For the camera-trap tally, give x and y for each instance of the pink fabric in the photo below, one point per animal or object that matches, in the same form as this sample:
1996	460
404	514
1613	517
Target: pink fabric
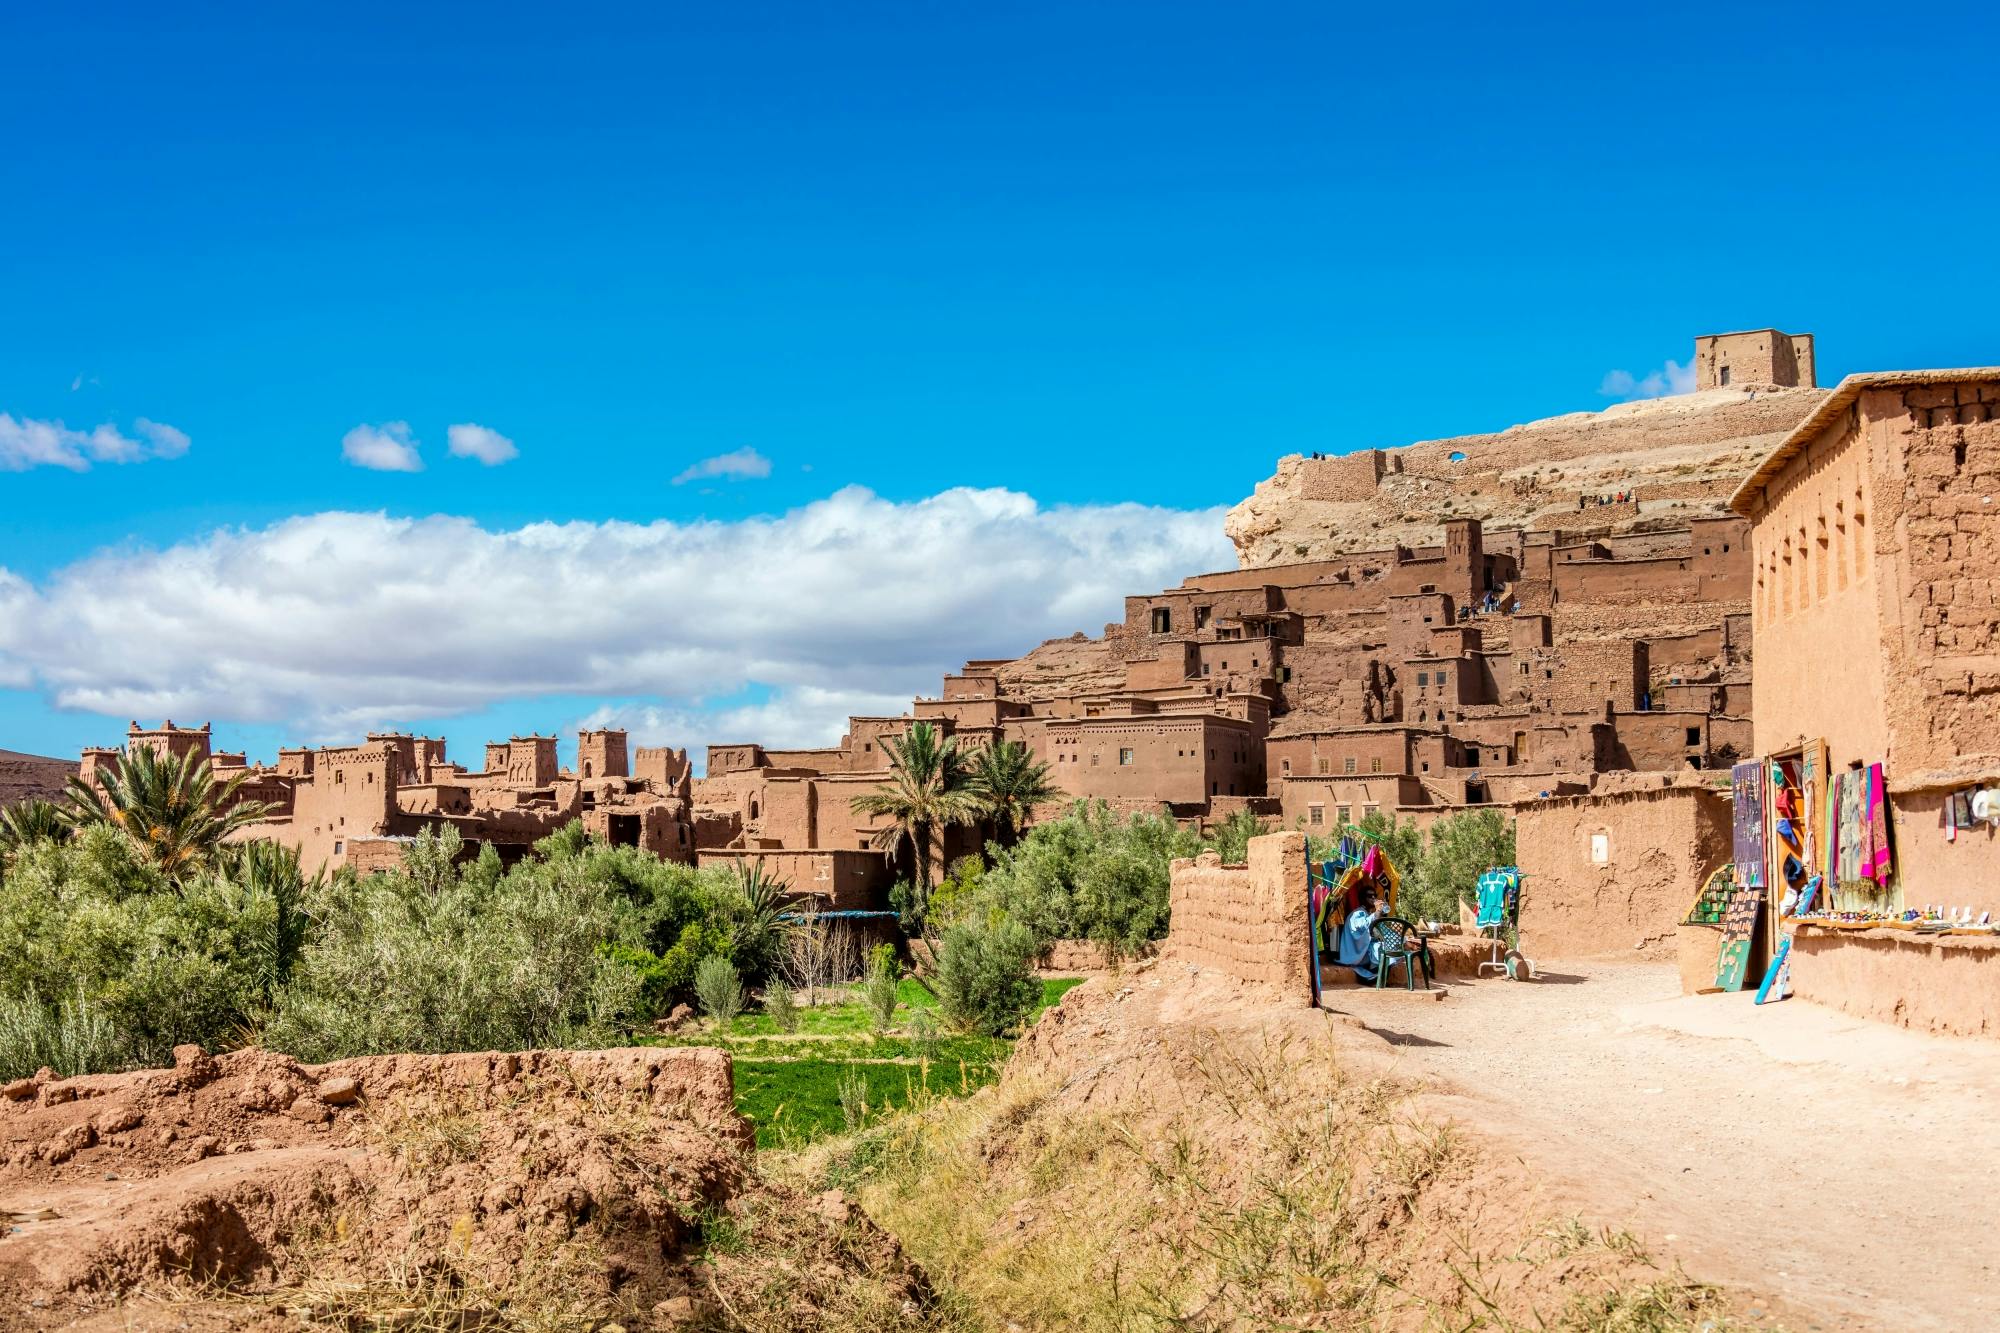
1875	830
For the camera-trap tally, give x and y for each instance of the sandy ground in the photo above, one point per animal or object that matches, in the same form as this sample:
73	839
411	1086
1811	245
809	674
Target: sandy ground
1846	1170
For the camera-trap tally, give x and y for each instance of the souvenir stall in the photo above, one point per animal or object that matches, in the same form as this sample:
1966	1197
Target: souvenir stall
1335	888
1816	851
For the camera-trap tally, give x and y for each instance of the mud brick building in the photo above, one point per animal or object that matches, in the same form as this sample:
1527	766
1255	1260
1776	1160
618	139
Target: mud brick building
1876	601
1470	622
356	804
1414	630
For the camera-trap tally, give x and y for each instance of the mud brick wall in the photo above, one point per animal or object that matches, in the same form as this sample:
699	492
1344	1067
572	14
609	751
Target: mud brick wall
1659	846
1352	476
1247	921
1946	511
1948	984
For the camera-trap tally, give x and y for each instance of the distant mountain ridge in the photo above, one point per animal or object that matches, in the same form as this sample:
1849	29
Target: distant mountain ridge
23	777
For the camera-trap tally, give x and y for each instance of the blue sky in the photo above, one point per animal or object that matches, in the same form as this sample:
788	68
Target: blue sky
1095	255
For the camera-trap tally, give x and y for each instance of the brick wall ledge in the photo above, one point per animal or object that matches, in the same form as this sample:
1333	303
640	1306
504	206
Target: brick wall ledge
1978	940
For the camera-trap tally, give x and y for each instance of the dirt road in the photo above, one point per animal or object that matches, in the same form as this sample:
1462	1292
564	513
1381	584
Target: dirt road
1848	1170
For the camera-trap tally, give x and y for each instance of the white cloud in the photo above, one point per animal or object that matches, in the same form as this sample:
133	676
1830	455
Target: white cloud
1672	378
331	623
166	441
744	462
802	718
488	446
386	448
29	443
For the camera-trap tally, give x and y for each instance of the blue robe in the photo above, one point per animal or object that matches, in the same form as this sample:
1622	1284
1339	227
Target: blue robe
1358	949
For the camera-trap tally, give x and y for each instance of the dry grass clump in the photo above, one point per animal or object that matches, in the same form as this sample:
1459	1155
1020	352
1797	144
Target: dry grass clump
1214	1185
783	1261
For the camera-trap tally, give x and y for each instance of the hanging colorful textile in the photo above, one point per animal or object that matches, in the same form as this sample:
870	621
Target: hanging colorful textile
1850	843
1746	784
1875	827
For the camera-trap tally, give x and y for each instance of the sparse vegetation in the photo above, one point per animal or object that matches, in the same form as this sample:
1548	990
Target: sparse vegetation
1247	1186
782	1008
719	989
985	976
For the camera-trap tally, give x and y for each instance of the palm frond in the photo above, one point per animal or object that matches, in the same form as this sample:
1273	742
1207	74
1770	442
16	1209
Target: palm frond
170	805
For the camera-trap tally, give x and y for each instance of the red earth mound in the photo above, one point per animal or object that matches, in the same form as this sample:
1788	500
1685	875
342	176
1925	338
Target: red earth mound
551	1175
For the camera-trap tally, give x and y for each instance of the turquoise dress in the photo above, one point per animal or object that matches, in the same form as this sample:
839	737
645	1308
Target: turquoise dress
1358	949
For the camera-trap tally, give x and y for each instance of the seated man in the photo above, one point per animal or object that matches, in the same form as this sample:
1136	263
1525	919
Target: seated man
1358	949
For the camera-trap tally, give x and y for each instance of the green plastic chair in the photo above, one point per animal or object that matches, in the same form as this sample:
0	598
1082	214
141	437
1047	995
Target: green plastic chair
1397	941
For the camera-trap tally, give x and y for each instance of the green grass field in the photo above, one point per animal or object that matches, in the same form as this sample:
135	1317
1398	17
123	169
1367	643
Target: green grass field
790	1084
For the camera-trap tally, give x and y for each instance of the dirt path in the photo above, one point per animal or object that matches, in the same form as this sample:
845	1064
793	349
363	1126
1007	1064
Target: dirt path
1849	1170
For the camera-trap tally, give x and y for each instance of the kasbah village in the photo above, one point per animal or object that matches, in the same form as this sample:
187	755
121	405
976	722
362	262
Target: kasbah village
1716	1044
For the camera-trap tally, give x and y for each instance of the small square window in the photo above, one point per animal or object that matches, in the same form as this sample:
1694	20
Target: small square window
1125	755
1315	815
1375	764
1285	767
1694	735
1347	764
1321	766
1423	679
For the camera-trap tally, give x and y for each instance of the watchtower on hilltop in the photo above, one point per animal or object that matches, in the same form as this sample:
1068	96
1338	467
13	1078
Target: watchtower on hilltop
1756	356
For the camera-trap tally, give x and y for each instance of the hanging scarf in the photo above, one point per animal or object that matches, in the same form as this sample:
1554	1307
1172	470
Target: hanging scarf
1875	825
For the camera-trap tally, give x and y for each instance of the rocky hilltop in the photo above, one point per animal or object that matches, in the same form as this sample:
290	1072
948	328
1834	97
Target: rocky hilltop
1675	459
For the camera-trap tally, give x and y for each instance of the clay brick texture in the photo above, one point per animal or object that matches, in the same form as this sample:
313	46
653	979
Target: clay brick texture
1246	921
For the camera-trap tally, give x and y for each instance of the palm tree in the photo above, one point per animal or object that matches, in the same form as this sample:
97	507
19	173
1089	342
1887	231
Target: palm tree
929	789
170	805
1010	783
264	869
761	925
30	822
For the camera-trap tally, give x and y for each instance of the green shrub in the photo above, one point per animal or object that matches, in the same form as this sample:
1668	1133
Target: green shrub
1231	838
93	935
878	992
71	1036
780	1005
1088	875
985	976
1461	848
444	961
719	989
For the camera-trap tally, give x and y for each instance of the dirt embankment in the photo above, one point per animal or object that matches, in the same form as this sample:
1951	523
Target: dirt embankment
1173	1147
1168	1146
571	1178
